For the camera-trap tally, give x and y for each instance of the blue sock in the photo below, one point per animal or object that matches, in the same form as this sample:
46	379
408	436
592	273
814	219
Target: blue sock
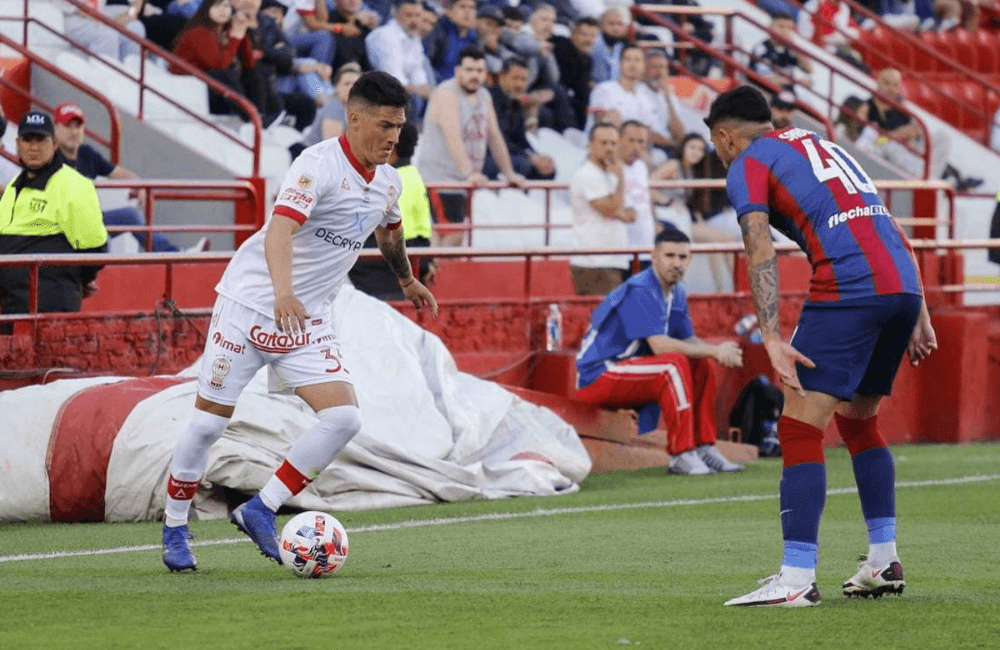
875	475
803	495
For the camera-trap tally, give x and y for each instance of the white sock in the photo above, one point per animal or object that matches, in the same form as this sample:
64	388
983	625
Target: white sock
793	575
882	553
189	462
311	454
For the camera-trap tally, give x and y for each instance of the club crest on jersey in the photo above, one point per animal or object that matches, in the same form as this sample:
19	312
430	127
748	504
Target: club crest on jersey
220	368
305	182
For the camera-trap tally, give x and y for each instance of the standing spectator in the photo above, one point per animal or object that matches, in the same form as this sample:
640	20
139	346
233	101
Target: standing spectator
513	18
608	47
641	352
576	65
355	25
374	277
216	42
69	136
489	24
461	124
628	98
48	208
657	80
633	139
396	48
453	32
597	196
517	115
331	119
775	60
100	39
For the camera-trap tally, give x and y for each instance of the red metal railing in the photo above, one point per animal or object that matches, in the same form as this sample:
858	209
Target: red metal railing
114	122
654	13
147	47
171	190
886	188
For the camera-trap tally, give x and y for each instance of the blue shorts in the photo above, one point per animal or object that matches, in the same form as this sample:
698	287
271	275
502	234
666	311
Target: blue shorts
857	344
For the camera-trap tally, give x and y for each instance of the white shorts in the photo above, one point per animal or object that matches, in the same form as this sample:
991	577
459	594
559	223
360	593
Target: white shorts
241	341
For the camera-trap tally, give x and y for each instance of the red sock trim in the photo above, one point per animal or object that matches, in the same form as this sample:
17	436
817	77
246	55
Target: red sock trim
800	442
860	435
181	490
293	479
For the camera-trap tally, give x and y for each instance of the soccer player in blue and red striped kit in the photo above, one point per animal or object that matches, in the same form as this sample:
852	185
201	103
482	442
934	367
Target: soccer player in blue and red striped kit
865	310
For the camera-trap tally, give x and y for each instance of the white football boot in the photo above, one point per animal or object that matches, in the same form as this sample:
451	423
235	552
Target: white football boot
876	580
689	463
775	593
716	461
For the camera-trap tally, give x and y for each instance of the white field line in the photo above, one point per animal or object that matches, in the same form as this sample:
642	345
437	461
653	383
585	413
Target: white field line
499	516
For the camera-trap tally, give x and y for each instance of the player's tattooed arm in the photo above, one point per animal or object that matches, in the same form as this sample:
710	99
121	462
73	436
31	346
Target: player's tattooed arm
762	264
393	248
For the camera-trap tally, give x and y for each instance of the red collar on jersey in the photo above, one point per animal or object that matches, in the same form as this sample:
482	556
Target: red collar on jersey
355	163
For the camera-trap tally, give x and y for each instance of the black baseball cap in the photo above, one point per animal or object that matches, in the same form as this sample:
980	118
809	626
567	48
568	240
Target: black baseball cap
35	123
784	100
742	103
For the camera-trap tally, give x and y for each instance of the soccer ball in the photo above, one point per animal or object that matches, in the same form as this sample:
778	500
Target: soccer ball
313	545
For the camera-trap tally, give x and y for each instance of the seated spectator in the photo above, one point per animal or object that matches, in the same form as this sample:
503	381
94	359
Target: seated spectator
674	206
331	119
8	168
396	48
628	98
428	19
641	352
69	136
356	23
48	208
608	46
374	277
489	24
597	197
216	42
534	45
783	109
310	30
905	14
513	17
657	79
696	61
461	124
98	38
517	115
576	66
851	119
775	60
453	32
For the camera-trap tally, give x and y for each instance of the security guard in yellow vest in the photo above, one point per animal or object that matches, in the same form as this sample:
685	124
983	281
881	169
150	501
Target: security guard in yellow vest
48	208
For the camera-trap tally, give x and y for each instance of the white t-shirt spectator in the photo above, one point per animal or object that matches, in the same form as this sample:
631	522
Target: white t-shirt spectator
641	231
995	132
390	49
640	105
591	228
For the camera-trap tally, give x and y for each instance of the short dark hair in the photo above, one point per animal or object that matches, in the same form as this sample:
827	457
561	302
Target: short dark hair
377	88
345	69
513	13
512	62
473	52
600	125
586	20
630	47
628	123
399	3
781	15
744	103
670	233
407	142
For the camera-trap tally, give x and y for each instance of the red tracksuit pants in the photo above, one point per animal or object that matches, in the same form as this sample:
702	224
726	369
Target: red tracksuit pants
684	389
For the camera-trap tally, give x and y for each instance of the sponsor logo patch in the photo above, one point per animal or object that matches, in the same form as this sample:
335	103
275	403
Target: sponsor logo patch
277	341
294	196
224	343
305	182
37	205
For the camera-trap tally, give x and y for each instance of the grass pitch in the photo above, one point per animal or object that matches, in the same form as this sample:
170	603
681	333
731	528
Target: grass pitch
635	558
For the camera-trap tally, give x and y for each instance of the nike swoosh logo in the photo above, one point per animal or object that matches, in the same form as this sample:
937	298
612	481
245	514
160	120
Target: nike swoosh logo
790	597
875	574
784	511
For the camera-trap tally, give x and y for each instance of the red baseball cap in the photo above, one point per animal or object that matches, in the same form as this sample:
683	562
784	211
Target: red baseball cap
67	112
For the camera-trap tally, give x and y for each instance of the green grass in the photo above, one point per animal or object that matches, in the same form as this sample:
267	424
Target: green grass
653	575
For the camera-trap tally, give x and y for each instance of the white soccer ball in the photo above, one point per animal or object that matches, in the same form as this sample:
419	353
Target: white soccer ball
313	545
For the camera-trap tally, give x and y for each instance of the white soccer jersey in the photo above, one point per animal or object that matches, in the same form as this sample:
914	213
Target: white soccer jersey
338	205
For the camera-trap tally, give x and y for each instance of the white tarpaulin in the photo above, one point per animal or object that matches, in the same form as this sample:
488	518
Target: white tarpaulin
429	433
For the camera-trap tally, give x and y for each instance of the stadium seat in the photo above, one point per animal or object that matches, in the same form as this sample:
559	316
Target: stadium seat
918	93
924	61
988	51
952	112
975	117
966	51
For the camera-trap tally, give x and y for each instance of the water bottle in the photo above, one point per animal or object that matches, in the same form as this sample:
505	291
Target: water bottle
553	329
747	326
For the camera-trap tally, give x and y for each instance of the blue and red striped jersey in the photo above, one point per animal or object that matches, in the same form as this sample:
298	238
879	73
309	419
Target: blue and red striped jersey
817	194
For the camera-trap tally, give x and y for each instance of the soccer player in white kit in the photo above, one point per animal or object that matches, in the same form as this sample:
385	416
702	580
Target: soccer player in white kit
274	308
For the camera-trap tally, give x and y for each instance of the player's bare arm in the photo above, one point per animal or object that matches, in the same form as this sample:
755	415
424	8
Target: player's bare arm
289	313
393	248
728	353
762	263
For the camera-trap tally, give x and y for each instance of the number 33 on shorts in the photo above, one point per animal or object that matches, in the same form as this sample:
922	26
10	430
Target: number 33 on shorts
332	357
